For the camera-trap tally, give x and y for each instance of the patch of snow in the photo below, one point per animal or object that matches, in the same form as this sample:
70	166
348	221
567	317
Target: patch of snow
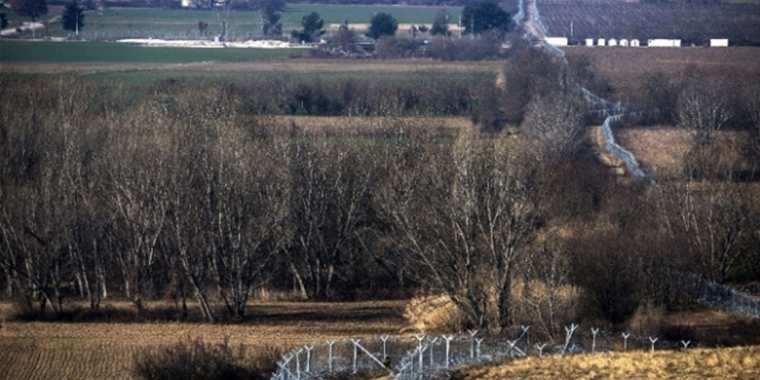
259	44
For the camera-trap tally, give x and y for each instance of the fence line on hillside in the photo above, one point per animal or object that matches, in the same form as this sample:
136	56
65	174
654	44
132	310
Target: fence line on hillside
429	356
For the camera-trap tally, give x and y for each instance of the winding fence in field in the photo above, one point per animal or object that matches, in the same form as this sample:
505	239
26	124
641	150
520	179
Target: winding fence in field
612	112
431	356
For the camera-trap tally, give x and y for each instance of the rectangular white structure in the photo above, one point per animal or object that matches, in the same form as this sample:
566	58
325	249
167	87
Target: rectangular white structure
601	42
589	42
612	42
557	41
624	42
661	42
719	42
635	43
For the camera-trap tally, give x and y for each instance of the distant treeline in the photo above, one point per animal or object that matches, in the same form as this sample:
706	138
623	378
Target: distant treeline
244	4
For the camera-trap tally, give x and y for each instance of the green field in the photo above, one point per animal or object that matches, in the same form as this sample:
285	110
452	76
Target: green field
63	52
114	23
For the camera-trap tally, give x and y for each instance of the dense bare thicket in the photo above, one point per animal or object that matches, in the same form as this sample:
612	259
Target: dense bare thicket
465	217
555	124
529	74
424	94
190	193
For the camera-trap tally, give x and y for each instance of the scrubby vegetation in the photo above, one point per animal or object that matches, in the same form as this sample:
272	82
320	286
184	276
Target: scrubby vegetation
195	359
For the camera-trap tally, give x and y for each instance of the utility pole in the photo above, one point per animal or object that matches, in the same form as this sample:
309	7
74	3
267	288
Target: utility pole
472	27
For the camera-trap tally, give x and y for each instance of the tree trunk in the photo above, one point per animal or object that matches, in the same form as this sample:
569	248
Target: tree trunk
504	304
299	281
9	280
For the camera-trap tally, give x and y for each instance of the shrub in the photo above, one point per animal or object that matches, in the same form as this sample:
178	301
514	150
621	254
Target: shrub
450	49
194	359
434	313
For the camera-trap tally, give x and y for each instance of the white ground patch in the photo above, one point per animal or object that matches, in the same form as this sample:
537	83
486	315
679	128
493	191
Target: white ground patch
26	25
260	44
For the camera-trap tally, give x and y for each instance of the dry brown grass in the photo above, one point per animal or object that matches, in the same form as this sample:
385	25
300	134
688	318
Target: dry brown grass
724	363
661	149
433	313
343	124
38	350
439	313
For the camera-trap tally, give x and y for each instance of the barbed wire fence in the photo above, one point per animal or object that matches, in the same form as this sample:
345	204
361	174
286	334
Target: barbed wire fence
431	356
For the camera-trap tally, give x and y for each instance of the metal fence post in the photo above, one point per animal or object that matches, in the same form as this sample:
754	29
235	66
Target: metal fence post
653	341
448	339
420	338
569	331
526	331
432	356
308	349
472	343
625	340
330	344
540	348
356	353
384	339
593	339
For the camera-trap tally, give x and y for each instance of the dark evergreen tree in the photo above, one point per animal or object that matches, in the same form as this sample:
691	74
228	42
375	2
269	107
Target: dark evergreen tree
271	13
441	24
73	17
312	28
484	16
382	24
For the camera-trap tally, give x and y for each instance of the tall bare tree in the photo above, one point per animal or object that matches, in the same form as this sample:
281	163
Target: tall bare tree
330	200
464	216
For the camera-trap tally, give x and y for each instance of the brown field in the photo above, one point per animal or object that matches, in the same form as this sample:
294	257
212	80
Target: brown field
660	150
41	350
291	65
724	363
322	122
624	68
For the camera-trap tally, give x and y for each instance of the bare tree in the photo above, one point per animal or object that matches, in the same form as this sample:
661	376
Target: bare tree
703	108
465	216
331	189
137	185
715	222
555	125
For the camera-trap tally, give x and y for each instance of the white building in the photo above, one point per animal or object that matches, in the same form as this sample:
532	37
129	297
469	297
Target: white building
661	42
557	41
612	42
589	42
719	42
623	42
187	3
601	42
635	43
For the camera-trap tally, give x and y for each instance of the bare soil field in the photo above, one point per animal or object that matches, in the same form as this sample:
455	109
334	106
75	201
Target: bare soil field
724	363
625	68
291	65
41	350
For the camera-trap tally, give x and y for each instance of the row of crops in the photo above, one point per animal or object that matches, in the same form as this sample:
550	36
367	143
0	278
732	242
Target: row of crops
692	23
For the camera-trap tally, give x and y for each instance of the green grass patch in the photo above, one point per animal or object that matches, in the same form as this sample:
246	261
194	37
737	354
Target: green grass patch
63	52
113	23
